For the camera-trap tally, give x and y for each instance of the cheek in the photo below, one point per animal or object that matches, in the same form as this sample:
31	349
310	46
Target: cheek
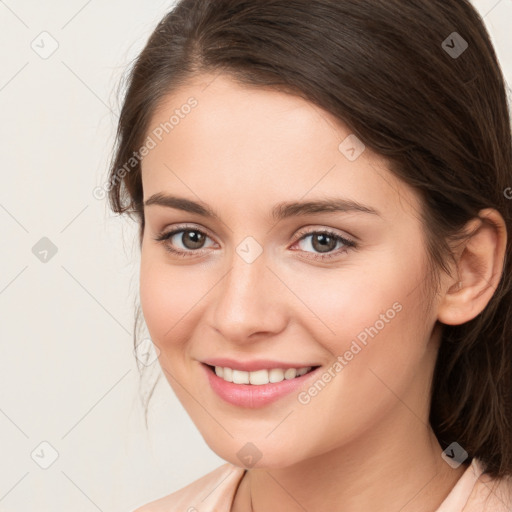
155	303
342	304
167	298
388	354
378	359
375	318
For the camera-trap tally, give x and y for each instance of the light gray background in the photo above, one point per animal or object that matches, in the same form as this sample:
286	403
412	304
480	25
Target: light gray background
67	371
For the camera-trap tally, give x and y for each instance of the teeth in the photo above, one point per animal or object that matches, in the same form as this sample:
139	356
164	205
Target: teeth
290	373
240	377
259	377
228	374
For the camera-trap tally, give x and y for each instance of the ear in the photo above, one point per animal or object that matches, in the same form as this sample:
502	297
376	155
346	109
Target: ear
480	263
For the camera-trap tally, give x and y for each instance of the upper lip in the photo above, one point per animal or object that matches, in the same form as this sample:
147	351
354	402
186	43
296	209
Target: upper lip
254	365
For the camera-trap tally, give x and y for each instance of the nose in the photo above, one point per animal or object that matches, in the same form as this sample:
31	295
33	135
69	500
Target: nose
249	301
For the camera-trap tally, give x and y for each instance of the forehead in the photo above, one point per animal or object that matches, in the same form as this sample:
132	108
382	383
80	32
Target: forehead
217	140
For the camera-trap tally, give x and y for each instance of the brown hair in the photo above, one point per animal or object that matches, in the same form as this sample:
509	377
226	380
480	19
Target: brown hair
389	72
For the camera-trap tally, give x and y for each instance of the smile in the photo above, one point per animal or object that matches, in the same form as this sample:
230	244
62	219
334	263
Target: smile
253	389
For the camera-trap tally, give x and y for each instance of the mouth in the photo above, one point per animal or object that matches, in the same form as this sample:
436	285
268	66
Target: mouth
256	388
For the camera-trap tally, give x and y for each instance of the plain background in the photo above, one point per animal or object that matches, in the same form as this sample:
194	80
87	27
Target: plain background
67	369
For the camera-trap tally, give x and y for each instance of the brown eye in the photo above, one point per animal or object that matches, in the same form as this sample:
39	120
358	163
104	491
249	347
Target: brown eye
185	242
192	239
323	243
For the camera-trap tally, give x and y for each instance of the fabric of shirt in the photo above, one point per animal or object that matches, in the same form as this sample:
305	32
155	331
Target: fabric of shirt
215	492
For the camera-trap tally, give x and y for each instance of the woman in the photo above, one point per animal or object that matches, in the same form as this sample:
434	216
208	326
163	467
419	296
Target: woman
321	189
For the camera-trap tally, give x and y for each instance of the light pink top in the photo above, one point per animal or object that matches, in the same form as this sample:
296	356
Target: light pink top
215	491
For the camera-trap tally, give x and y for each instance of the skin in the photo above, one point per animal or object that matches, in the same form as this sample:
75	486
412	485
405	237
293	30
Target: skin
241	151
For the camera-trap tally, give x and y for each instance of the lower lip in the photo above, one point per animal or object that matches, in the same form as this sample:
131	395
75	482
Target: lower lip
252	396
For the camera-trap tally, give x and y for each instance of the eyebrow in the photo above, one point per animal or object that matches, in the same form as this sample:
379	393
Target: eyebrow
279	212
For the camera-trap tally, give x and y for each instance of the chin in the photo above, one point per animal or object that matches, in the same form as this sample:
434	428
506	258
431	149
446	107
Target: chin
249	455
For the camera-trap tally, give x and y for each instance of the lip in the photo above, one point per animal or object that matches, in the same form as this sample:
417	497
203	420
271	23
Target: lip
255	365
252	396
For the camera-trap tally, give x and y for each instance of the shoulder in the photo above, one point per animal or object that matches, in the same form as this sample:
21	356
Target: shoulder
490	495
213	491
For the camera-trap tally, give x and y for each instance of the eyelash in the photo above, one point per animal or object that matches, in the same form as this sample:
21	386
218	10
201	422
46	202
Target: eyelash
349	244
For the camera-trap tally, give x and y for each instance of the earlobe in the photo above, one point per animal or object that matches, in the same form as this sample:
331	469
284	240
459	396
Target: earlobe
480	263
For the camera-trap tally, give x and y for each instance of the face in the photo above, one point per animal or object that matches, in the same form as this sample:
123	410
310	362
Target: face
237	272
